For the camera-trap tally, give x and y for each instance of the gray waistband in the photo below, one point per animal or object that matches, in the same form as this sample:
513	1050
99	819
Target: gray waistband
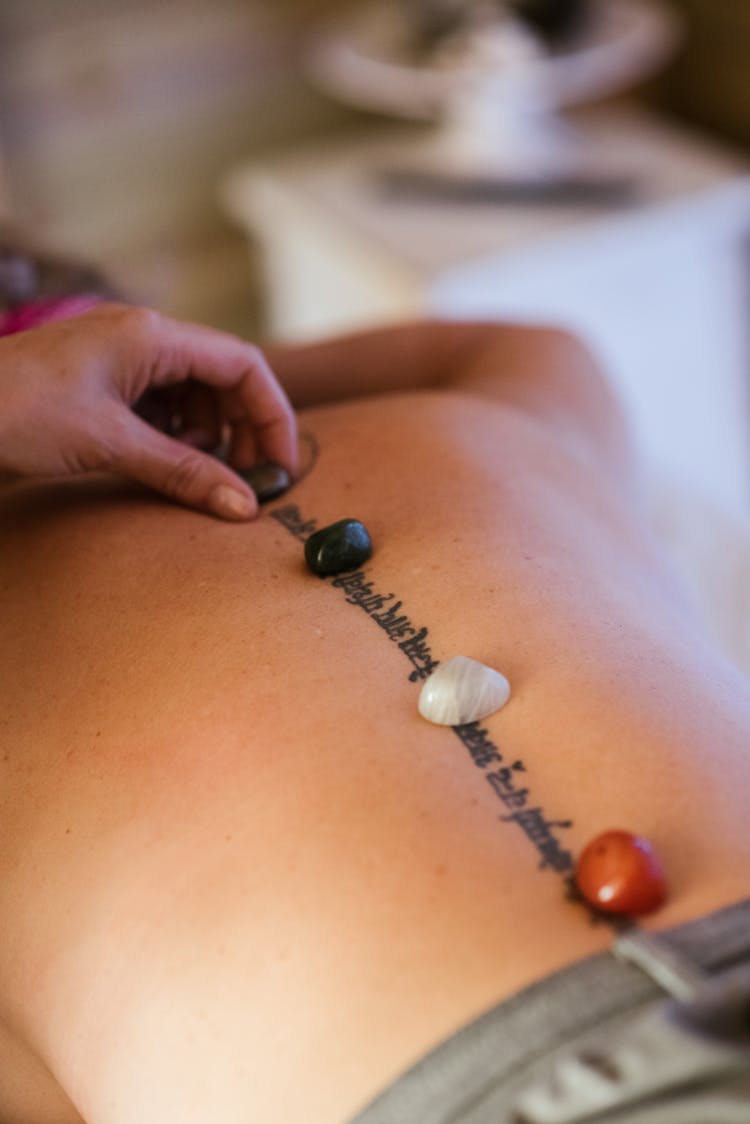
574	1039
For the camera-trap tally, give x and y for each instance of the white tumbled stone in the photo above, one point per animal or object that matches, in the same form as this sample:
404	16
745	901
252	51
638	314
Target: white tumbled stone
462	690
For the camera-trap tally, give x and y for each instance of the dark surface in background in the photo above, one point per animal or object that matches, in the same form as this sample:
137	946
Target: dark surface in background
709	80
436	20
554	19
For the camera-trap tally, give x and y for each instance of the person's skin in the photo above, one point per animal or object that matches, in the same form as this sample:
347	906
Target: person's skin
241	879
68	392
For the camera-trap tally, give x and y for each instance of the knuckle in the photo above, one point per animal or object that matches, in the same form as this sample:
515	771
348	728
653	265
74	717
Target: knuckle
256	364
110	308
255	355
136	321
110	439
184	476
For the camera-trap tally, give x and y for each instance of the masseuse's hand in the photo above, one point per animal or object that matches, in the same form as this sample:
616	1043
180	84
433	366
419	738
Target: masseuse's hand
67	390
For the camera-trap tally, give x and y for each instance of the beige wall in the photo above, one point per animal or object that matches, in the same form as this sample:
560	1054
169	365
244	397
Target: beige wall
119	119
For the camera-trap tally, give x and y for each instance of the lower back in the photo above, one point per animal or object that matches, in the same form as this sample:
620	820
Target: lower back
227	831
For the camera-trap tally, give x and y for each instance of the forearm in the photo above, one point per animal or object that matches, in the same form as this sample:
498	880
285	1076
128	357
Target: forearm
544	371
413	356
529	365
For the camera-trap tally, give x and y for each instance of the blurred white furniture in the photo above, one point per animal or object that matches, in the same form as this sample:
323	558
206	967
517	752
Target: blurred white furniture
491	84
658	286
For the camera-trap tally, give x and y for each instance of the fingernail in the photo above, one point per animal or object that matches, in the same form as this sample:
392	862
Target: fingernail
231	504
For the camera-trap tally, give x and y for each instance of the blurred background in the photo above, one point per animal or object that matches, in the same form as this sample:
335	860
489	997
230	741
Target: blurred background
299	166
117	122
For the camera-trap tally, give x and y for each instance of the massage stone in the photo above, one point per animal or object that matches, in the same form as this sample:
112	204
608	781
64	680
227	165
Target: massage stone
267	480
462	690
618	872
338	547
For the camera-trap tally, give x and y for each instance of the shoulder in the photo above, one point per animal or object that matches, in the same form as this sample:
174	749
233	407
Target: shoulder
551	376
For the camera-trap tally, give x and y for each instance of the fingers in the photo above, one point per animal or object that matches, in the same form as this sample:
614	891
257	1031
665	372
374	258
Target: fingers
193	381
250	394
183	473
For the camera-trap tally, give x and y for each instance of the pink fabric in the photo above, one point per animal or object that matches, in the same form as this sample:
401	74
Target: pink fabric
35	313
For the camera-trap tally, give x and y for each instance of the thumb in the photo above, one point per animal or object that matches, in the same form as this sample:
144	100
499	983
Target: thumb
182	473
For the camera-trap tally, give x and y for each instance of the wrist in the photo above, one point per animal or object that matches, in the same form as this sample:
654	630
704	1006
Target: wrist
32	314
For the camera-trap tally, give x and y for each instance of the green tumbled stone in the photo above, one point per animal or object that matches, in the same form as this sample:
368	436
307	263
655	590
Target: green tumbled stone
342	546
267	480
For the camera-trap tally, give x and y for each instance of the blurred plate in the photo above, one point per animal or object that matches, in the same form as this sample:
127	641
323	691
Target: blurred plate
363	60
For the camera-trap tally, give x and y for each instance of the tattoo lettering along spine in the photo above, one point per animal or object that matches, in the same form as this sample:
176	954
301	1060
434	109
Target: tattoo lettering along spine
388	613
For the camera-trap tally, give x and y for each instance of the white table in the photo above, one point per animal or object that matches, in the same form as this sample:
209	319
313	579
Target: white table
658	286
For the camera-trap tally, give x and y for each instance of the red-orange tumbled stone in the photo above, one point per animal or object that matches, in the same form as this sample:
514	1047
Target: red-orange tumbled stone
619	872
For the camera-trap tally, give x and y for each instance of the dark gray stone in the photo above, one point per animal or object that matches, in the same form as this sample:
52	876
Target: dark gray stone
267	480
342	546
